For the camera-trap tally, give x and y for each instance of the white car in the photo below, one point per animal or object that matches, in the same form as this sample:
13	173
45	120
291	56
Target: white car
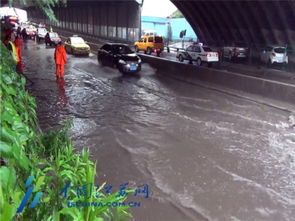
274	54
199	53
41	32
237	50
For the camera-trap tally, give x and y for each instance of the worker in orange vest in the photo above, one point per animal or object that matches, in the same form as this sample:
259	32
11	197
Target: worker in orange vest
60	57
19	45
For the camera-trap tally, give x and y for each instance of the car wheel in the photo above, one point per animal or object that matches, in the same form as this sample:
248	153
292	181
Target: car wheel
100	62
120	69
269	63
149	51
139	68
180	58
222	54
229	57
158	54
199	62
136	49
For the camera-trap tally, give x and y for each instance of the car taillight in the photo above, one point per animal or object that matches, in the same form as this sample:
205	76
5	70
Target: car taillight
208	54
155	50
273	54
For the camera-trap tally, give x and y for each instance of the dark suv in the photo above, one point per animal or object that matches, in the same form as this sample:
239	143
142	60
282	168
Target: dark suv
119	56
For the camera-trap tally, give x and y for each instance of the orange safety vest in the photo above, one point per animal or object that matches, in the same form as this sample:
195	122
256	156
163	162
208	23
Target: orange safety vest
60	55
14	52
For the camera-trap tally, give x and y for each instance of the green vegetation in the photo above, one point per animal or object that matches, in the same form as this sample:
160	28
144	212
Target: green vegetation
44	5
176	14
50	158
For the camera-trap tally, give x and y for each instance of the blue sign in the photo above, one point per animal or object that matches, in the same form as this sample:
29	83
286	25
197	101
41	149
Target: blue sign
28	194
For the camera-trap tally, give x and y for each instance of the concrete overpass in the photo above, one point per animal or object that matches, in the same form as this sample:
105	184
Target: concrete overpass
114	20
216	22
256	22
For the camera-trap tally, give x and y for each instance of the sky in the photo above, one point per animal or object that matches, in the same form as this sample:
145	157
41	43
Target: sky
158	8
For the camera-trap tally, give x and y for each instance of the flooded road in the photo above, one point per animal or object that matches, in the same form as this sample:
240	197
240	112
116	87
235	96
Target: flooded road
205	155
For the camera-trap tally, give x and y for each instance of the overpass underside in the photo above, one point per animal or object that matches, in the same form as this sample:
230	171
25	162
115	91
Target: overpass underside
256	22
114	20
216	22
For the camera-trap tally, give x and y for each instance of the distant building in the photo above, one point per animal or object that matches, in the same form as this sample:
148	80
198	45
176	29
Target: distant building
161	27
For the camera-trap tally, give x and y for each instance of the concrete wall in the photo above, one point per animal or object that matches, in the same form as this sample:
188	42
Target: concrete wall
114	20
256	22
190	73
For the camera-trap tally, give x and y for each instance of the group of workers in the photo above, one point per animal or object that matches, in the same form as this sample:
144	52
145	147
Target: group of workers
13	42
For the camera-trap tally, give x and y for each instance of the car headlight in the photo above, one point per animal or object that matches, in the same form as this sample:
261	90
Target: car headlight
139	60
122	61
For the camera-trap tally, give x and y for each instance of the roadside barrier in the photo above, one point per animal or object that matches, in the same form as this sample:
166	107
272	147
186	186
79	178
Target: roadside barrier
190	73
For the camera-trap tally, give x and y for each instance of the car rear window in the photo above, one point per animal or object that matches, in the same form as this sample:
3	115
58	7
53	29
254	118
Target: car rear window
77	40
122	49
207	49
42	30
280	50
158	39
53	35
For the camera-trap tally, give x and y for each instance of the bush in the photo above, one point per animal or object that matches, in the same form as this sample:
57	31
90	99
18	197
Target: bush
26	151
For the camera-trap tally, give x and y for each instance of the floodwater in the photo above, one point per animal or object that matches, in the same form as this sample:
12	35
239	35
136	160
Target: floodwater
205	155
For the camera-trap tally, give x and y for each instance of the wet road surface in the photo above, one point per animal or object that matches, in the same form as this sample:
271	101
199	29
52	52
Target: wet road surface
205	155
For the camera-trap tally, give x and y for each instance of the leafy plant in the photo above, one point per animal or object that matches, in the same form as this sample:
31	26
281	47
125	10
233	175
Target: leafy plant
25	151
44	5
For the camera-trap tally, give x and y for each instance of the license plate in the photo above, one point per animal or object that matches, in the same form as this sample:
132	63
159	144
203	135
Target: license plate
132	68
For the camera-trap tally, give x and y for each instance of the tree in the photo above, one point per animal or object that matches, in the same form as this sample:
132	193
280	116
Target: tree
176	14
44	5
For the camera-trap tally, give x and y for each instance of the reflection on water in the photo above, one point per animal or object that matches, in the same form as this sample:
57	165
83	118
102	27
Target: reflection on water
62	98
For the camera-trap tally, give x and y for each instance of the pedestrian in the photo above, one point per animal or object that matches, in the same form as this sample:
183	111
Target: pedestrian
24	34
60	57
19	31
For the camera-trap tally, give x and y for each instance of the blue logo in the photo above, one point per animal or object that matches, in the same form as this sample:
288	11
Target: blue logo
28	194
